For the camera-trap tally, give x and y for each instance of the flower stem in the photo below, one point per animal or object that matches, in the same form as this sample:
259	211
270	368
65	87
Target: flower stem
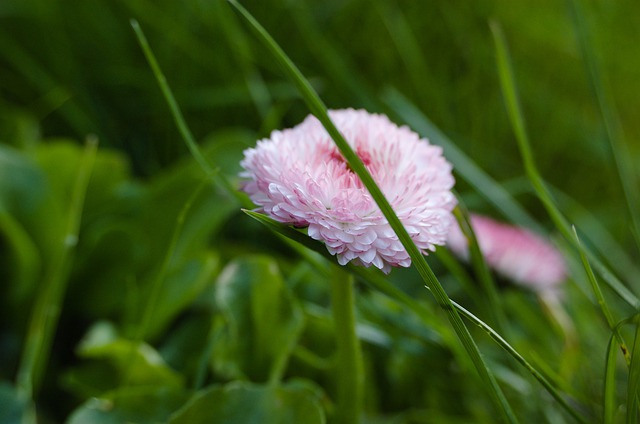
349	365
48	305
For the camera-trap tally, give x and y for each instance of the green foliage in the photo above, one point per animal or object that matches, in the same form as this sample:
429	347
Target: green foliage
174	306
251	403
260	321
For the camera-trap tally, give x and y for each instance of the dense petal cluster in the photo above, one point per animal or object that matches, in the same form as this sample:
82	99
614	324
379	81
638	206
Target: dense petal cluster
297	176
513	252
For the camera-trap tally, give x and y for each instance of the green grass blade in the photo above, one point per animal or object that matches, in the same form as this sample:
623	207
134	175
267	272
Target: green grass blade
599	237
464	166
517	122
600	298
171	101
609	397
287	232
319	110
253	80
48	304
613	128
183	128
53	92
480	267
336	65
298	241
634	377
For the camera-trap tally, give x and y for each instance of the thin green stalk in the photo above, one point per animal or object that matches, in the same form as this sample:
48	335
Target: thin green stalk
599	237
464	166
203	362
609	389
600	298
634	377
48	305
253	80
183	128
171	101
349	366
480	267
318	108
156	285
312	251
613	128
517	122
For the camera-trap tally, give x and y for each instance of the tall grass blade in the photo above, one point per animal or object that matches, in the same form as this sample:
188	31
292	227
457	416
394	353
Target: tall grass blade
171	101
517	122
601	301
634	377
464	166
609	396
374	279
613	127
45	83
480	267
183	128
319	110
48	304
599	237
328	56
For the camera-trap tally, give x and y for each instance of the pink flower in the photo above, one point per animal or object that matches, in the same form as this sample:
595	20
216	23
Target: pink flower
298	177
513	252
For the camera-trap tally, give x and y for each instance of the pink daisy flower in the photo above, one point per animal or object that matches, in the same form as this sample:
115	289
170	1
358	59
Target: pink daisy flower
513	252
298	177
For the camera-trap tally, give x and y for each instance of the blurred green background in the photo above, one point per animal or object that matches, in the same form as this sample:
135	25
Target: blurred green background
69	69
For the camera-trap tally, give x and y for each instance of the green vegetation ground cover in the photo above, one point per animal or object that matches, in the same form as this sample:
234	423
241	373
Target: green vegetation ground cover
149	217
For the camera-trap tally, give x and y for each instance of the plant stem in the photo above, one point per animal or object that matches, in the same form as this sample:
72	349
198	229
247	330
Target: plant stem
349	365
48	305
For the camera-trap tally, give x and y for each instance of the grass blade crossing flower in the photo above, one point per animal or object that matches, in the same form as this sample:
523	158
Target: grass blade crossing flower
514	253
298	176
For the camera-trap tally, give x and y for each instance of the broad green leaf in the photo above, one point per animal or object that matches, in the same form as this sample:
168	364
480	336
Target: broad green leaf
15	409
225	148
19	129
22	184
136	363
262	320
180	288
30	222
250	403
140	405
20	263
60	159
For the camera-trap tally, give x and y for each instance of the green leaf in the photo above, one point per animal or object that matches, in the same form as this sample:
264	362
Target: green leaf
225	148
13	407
262	320
289	232
634	377
250	403
140	405
60	159
180	288
609	398
30	222
137	363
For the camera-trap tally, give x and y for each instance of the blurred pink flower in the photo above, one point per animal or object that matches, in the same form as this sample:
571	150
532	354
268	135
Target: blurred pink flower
513	252
298	177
